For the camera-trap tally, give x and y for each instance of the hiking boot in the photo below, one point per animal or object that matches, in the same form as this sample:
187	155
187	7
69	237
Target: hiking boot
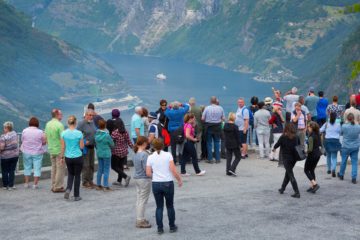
143	224
127	181
333	174
86	185
353	180
99	188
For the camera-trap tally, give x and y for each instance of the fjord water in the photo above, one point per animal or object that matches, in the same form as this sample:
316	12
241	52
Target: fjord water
185	80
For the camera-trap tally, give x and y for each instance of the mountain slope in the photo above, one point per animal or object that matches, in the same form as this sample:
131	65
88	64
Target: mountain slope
36	69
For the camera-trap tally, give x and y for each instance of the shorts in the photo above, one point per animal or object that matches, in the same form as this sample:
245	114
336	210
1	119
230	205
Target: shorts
30	161
243	137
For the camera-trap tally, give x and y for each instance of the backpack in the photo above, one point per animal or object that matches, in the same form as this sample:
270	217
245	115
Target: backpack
179	134
251	115
163	134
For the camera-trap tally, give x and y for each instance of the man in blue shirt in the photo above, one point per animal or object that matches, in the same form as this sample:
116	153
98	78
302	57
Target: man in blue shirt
321	109
137	124
175	113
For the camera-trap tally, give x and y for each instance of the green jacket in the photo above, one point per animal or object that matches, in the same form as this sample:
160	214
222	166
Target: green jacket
104	143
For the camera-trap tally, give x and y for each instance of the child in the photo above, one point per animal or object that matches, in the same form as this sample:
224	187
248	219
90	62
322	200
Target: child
104	143
232	144
142	182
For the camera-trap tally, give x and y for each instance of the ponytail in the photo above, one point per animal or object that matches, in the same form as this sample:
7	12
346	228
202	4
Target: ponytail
351	118
139	142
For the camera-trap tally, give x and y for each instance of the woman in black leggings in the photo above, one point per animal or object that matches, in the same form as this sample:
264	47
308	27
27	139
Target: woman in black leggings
314	155
287	142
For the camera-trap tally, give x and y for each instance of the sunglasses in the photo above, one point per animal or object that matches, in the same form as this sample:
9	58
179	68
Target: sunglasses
163	105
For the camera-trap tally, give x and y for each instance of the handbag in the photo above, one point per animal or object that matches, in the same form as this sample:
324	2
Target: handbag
322	147
300	152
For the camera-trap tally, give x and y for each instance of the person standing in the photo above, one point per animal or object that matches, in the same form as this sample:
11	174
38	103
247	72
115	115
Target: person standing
334	107
72	143
213	116
311	102
88	129
321	109
160	166
194	109
298	118
175	113
331	130
242	121
53	130
290	97
232	144
303	107
137	124
161	114
261	124
287	143
144	117
33	141
314	154
354	111
119	153
276	122
96	117
9	154
103	143
350	147
254	108
115	121
142	182
189	146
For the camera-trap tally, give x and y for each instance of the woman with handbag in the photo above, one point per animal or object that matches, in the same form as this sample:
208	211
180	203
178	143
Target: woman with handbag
331	134
314	154
287	142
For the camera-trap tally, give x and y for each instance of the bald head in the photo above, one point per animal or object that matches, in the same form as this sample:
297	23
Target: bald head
213	100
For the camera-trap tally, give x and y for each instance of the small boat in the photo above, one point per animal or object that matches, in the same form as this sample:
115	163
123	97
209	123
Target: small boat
161	76
224	87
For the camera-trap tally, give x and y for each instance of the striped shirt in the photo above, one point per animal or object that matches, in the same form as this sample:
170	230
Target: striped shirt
9	145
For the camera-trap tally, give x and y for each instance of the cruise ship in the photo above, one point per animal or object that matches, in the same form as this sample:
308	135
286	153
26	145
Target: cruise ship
123	104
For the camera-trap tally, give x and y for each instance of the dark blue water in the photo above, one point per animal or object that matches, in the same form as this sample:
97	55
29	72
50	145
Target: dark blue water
184	80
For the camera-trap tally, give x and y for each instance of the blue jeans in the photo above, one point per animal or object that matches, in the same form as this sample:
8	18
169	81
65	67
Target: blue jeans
163	190
104	169
353	153
210	137
331	158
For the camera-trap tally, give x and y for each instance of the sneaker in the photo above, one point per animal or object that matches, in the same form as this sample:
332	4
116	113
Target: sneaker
243	157
281	191
13	187
127	181
143	224
333	174
9	189
99	188
232	172
116	183
107	189
208	161
202	173
217	162
310	189
67	194
26	185
316	187
173	229
185	174
35	186
5	188
353	180
328	172
160	231
77	199
296	195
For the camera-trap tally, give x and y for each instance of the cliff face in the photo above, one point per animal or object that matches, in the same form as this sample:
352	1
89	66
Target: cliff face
37	69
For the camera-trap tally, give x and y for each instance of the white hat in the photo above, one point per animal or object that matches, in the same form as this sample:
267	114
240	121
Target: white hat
268	100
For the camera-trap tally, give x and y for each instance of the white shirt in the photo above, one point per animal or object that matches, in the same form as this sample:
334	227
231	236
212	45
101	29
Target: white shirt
290	99
160	164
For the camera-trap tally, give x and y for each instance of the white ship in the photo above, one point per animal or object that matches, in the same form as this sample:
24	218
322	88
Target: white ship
161	76
123	104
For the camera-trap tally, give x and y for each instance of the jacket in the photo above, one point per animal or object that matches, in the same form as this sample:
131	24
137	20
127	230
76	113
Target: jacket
104	143
232	139
176	117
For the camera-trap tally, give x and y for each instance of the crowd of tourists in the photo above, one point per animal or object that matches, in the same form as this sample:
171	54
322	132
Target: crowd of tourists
181	133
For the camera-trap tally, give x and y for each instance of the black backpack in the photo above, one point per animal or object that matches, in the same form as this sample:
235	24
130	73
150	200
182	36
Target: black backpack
179	134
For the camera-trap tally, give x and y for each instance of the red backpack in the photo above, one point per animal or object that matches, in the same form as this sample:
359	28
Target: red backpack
163	134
